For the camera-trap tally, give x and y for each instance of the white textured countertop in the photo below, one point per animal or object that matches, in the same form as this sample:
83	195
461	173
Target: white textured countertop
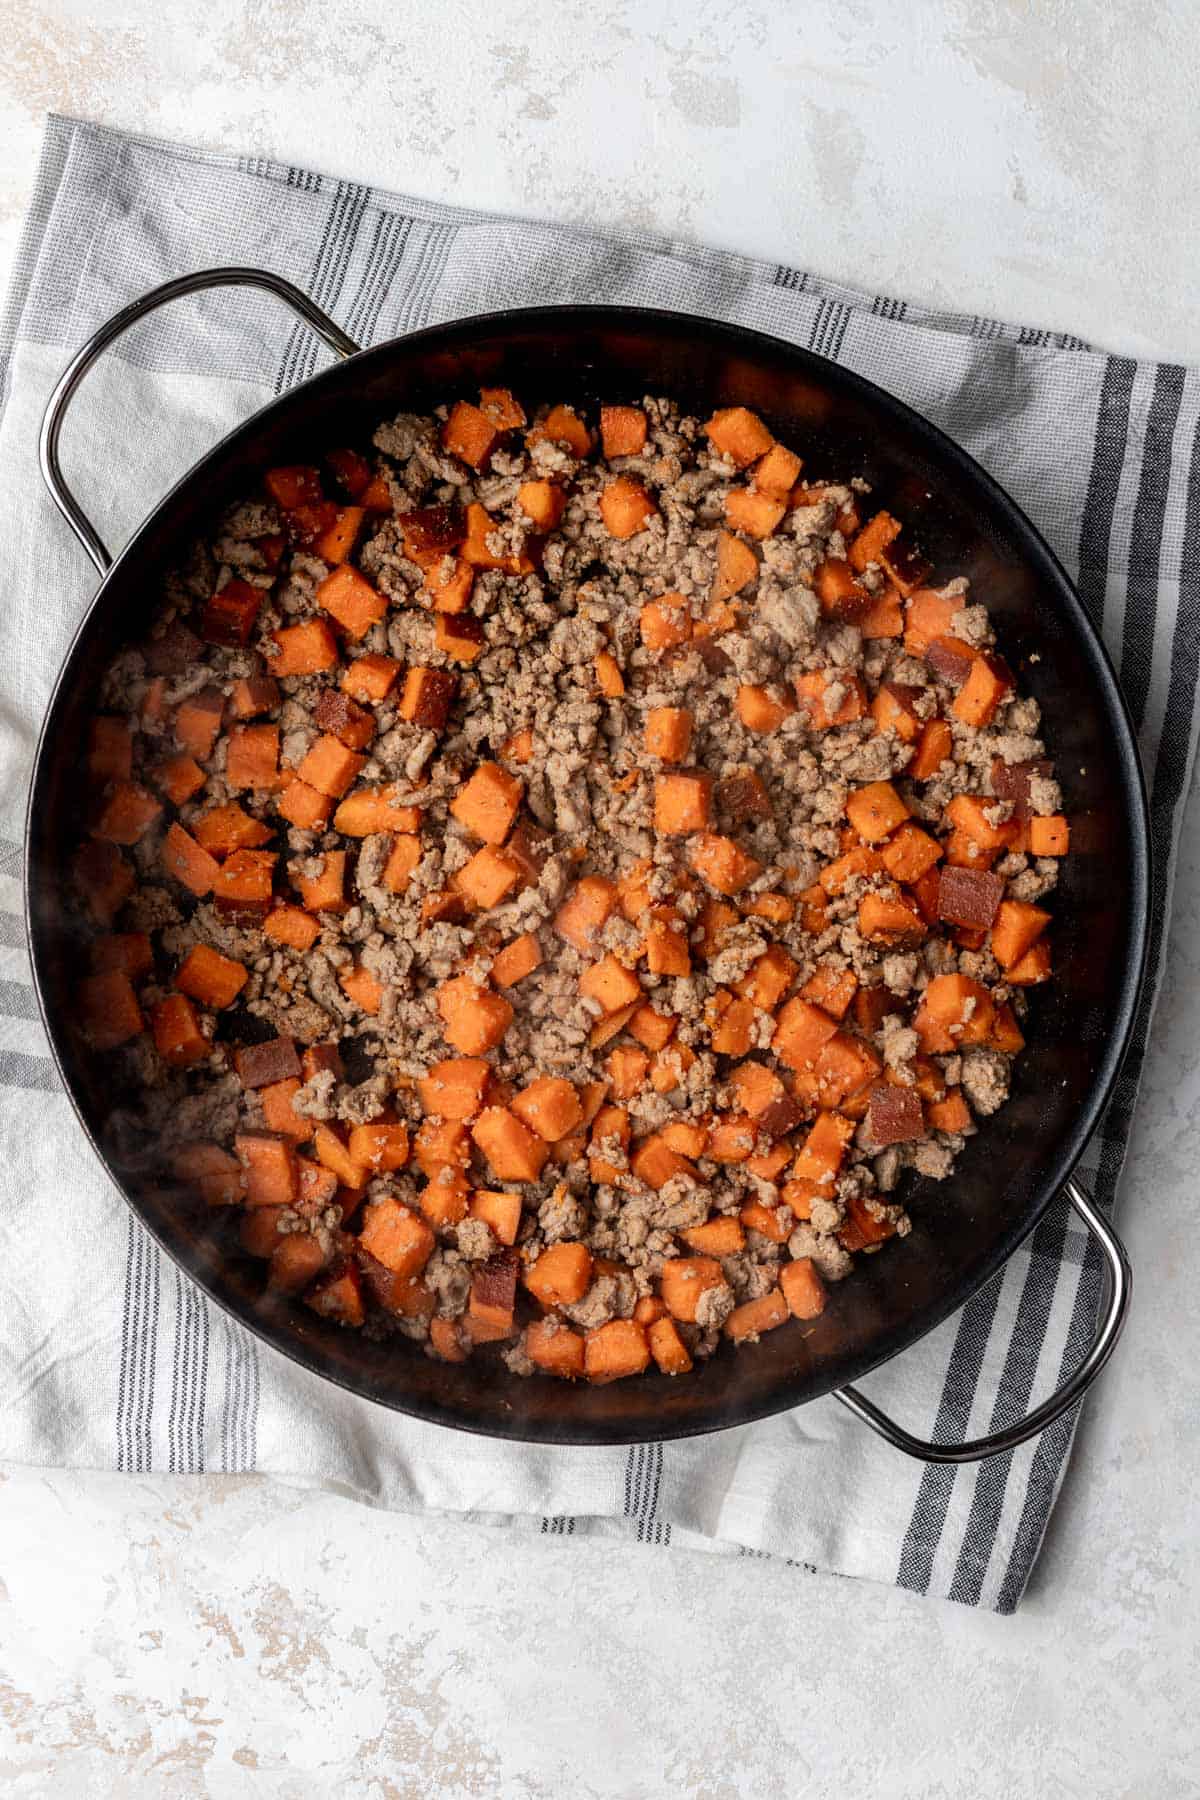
230	1637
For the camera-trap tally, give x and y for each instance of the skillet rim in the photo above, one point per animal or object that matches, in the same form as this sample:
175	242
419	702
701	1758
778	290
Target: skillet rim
507	1423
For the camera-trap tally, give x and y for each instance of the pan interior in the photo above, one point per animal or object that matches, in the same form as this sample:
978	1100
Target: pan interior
963	1228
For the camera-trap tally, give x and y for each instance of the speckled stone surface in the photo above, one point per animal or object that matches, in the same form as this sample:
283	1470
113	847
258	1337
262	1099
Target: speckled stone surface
230	1637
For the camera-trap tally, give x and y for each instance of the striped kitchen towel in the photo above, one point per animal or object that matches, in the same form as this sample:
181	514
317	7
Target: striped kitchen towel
109	1357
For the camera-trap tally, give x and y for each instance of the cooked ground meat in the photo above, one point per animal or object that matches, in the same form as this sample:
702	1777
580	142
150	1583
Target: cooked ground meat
551	886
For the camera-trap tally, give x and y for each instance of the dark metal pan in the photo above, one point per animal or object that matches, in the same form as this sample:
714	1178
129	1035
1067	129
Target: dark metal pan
965	1228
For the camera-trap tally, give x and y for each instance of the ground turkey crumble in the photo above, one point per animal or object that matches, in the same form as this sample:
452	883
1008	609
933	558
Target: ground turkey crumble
552	879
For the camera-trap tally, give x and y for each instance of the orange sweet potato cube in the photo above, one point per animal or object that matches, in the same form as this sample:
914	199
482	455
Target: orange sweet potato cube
873	540
517	960
668	732
305	649
778	472
455	1087
730	1023
228	827
110	749
500	1210
502	407
584	913
129	952
881	617
1016	929
933	748
667	950
554	1348
488	877
801	1033
831	989
329	766
563	425
722	863
831	697
909	853
212	979
614	1351
359	985
968	814
802	1288
665	622
890	919
292	926
737	567
768	978
272	1174
739	434
474	1019
684	1279
349	598
252	760
550	1106
188	861
128	813
627	1070
1049	836
380	1146
513	1151
682	801
488	803
610	984
470	435
930	615
109	1010
625	507
396	1237
761	709
756	514
561	1275
622	430
875	811
303	806
609	678
1031	968
746	1323
653	1030
543	503
324	889
281	1117
179	778
720	1236
954	1010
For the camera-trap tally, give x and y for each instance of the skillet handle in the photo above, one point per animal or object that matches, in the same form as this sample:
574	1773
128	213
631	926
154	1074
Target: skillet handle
1120	1280
196	283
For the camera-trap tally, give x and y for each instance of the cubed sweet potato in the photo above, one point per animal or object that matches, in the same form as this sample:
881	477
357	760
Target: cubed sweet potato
989	682
875	811
801	1033
282	1118
128	812
229	617
954	1010
722	863
684	1279
513	1151
212	979
246	878
228	827
739	434
1017	928
682	801
625	507
561	1275
217	1175
359	985
272	1177
110	749
754	513
455	1087
553	1347
563	425
778	472
762	709
614	1351
550	1106
329	766
481	536
746	1323
668	733
304	649
470	435
488	877
881	617
543	503
188	861
291	926
252	759
802	1288
584	913
474	1019
1049	836
610	984
303	806
396	1237
180	778
837	589
488	803
323	890
831	697
348	597
719	1236
890	919
737	567
109	1010
517	960
666	622
622	430
502	407
197	722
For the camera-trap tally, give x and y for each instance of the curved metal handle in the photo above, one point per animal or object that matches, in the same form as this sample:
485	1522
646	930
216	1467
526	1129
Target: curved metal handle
1120	1281
81	362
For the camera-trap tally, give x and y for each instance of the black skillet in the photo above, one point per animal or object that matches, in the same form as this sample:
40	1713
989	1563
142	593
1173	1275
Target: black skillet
963	1229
